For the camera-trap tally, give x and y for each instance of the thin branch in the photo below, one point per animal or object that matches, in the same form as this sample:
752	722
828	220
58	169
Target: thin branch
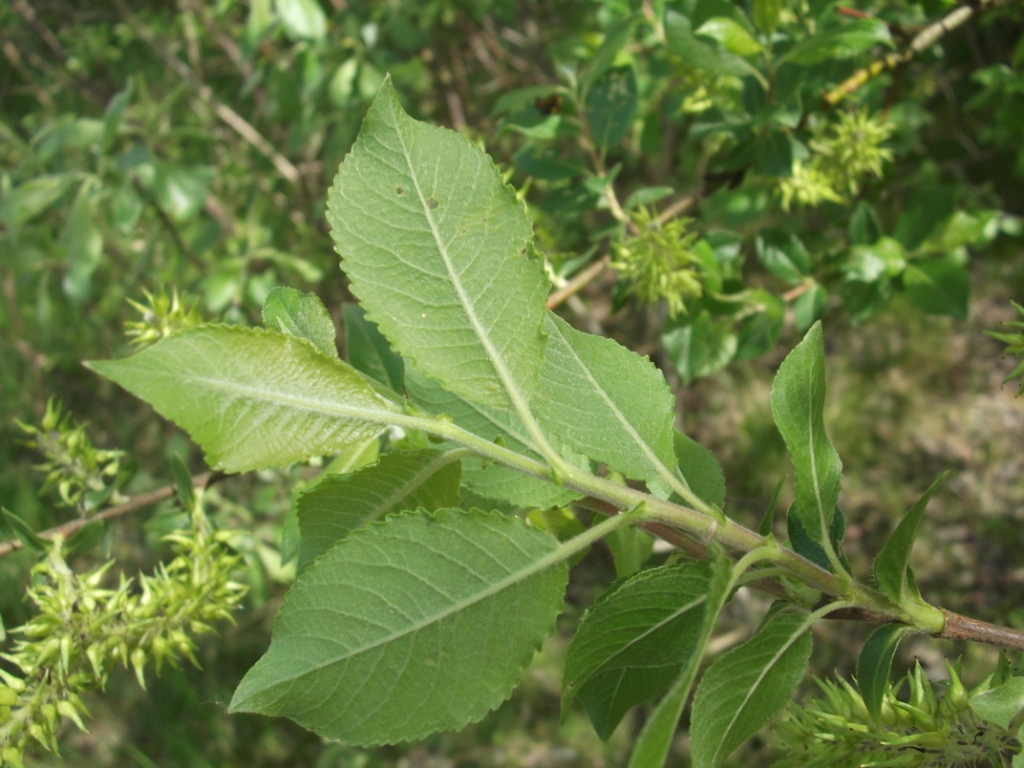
962	628
921	42
235	121
579	281
134	504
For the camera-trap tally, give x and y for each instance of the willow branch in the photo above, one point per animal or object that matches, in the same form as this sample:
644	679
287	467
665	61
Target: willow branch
578	282
134	504
921	42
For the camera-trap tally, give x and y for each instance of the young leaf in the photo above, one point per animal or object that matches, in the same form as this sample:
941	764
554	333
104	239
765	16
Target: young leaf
436	247
630	548
747	686
23	531
633	641
891	565
798	403
656	737
1003	705
606	402
699	469
335	505
252	398
300	314
368	351
765	528
383	640
875	662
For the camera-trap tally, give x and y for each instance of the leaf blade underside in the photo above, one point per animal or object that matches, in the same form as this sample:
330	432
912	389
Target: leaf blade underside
214	381
383	640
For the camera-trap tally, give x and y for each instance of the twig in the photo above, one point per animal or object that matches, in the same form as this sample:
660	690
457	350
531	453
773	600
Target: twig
235	121
169	225
962	628
581	279
921	41
134	504
14	57
680	206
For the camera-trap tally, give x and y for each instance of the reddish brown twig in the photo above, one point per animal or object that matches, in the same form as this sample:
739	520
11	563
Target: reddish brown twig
134	504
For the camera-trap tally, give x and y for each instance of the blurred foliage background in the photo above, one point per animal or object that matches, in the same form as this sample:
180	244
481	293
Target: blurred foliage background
152	145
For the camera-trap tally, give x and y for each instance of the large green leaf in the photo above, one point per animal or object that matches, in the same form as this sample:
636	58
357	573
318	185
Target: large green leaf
335	505
418	624
633	641
606	402
747	686
252	398
656	737
891	567
437	249
798	403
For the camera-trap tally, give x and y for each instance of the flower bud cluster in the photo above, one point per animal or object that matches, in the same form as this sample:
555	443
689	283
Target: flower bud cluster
927	730
83	630
658	263
82	474
162	316
842	154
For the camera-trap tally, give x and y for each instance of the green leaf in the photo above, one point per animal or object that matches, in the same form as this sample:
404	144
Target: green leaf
760	332
633	641
611	105
1002	705
891	565
701	469
701	52
654	741
927	208
335	505
784	255
616	38
768	519
215	382
287	310
606	402
383	640
938	286
630	548
302	19
842	41
731	34
864	227
181	191
698	346
114	113
809	306
748	686
436	247
798	403
29	199
766	15
23	531
83	243
875	662
368	351
775	154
